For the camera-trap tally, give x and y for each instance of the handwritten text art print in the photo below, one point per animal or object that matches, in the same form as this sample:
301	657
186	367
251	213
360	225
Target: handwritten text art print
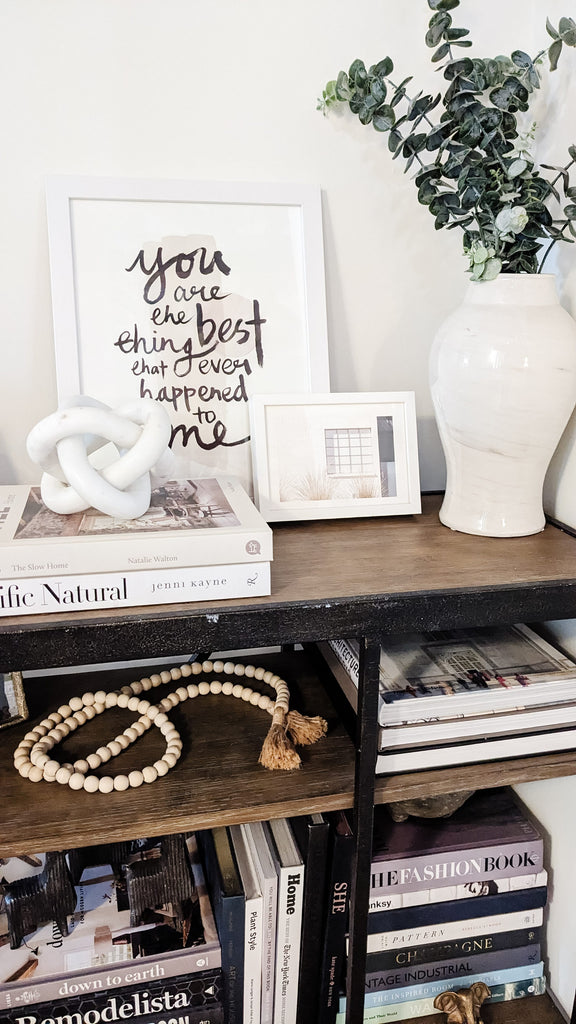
197	295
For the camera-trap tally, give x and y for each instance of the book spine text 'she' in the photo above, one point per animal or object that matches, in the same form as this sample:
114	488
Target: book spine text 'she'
470	890
454	969
334	944
131	589
434	988
425	1007
435	914
411	956
410	873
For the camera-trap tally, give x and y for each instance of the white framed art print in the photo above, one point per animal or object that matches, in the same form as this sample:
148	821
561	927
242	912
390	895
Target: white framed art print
194	294
324	456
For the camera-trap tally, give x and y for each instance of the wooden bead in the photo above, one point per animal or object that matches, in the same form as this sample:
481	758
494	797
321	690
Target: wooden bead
176	674
185	671
94	761
166	676
88	699
135	779
114	747
91	783
229	668
81	766
237	690
121	783
76	781
106	784
239	670
161	767
215	686
192	690
196	668
207	666
100	697
75	703
204	688
218	666
156	679
35	774
123	700
149	773
63	775
227	688
170	760
104	754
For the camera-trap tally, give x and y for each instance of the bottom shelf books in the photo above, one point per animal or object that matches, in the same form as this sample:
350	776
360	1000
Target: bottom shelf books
424	942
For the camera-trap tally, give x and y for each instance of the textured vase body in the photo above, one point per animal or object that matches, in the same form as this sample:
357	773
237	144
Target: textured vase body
503	382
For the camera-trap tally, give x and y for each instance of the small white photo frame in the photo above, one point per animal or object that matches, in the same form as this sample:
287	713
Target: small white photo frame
326	456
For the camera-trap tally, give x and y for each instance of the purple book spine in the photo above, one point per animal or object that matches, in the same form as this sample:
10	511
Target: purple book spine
451	970
408	874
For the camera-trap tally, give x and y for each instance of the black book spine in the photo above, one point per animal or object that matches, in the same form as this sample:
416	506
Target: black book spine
196	997
411	956
312	839
456	910
228	907
336	926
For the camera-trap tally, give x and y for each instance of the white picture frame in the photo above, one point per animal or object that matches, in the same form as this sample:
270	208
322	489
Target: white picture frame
325	456
196	294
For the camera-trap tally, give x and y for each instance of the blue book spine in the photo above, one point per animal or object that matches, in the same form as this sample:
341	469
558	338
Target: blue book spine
431	990
456	910
452	970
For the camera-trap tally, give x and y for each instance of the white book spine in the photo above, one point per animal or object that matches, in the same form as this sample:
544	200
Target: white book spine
395	901
455	930
288	937
252	961
269	886
485	750
44	594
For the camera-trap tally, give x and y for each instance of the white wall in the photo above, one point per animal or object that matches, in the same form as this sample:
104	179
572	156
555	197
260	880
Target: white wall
227	90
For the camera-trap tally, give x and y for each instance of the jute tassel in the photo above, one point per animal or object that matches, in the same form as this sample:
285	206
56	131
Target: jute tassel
288	728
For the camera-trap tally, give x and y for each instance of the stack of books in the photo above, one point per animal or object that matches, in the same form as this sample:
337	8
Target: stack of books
280	891
118	956
460	696
200	540
454	901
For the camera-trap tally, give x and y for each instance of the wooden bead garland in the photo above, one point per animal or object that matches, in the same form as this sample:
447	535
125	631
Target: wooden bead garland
33	760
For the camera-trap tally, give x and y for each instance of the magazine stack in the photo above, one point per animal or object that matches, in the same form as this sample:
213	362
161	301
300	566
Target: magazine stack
454	902
462	696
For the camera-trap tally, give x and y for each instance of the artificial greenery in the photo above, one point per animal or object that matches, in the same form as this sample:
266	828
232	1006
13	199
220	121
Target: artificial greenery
474	164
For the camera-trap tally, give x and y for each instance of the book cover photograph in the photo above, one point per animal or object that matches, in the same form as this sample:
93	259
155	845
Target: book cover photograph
188	522
104	917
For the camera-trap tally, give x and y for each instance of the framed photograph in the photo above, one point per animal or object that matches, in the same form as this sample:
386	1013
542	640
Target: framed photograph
12	700
194	294
327	456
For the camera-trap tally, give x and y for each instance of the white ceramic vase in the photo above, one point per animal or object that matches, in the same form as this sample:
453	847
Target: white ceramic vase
503	382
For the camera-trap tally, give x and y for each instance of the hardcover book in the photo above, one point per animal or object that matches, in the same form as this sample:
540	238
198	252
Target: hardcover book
453	969
191	998
429	990
290	871
337	908
311	832
103	949
399	928
253	926
467	891
471	945
445	674
489	836
227	893
132	589
484	749
259	844
189	523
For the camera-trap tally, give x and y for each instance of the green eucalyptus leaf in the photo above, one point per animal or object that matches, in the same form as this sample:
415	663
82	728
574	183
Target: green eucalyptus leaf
441	52
378	91
572	152
521	59
459	42
383	68
551	30
437	29
554	52
456	68
452	34
384	119
443	5
492	268
567	30
570	211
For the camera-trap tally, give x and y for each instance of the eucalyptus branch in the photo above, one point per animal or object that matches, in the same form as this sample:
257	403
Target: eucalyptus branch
480	176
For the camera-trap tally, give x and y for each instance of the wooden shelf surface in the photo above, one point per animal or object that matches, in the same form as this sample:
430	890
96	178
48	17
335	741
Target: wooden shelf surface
217	781
329	579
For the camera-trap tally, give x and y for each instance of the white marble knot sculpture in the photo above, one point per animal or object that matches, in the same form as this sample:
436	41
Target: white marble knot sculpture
63	443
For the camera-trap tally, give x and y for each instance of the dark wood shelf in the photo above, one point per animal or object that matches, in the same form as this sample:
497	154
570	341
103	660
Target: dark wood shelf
329	579
217	781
